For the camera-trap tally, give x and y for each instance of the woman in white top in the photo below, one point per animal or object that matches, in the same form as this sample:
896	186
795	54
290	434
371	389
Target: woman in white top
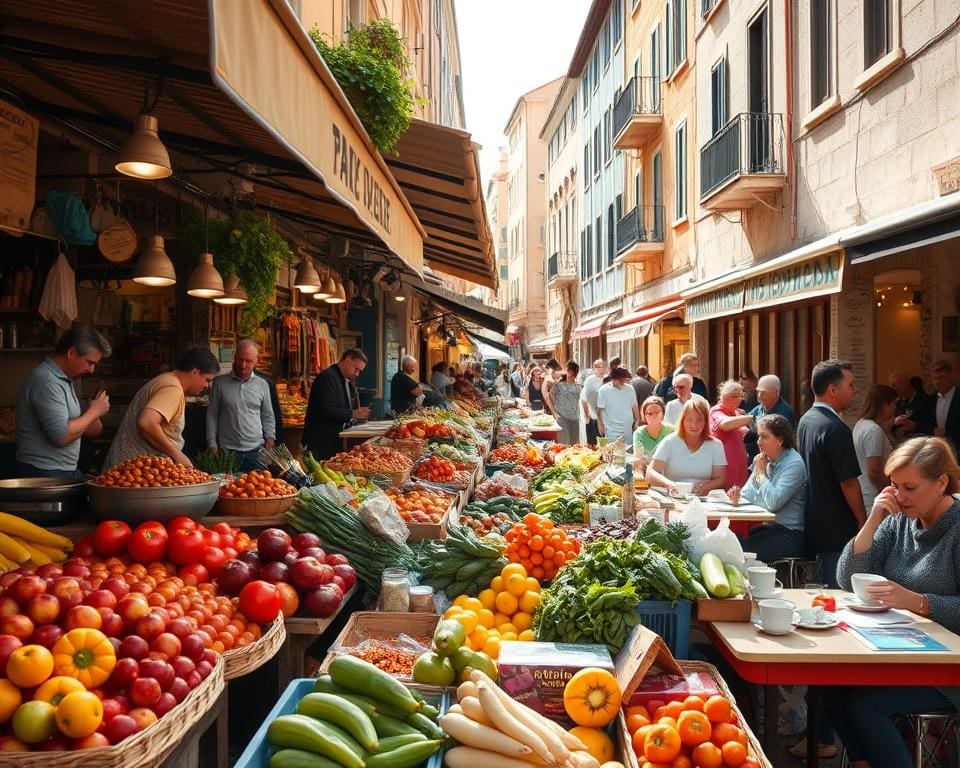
691	454
871	442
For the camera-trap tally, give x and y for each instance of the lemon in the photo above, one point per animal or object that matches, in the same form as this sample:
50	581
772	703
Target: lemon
508	627
522	621
459	600
492	647
516	584
486	618
469	619
509	636
527	636
507	603
529	601
488	598
496	584
452	611
533	585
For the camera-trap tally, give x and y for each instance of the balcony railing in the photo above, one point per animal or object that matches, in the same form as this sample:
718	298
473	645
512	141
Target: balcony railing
751	143
706	6
561	266
643	225
640	98
513	304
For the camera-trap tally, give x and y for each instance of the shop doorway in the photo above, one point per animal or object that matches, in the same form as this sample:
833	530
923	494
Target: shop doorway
897	322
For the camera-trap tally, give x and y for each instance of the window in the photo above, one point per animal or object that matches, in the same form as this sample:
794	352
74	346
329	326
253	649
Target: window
541	234
573	111
583	254
877	30
638	191
668	38
607	136
585	90
586	165
655	69
598	256
679	32
597	150
617	21
595	64
503	273
606	43
611	234
718	96
588	250
680	171
821	51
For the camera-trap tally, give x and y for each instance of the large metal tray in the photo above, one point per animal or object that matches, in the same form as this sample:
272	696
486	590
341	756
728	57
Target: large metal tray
44	500
138	505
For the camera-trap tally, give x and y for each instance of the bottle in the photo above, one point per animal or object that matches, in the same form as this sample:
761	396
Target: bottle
628	493
13	335
395	590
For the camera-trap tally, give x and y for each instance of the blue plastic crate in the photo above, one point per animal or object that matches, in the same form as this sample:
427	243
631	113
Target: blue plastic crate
258	751
669	620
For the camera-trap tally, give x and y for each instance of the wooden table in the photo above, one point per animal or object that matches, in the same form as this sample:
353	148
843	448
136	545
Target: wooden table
827	657
364	431
717	511
301	633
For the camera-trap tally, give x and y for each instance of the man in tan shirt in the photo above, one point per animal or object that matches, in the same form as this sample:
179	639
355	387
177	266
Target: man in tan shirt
153	424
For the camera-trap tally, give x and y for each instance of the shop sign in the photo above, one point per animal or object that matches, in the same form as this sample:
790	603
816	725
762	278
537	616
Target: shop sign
816	277
19	133
947	176
726	301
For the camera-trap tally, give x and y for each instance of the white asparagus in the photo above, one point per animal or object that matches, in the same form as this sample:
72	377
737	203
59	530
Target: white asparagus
467	688
472	734
505	723
470	705
583	760
456	709
469	757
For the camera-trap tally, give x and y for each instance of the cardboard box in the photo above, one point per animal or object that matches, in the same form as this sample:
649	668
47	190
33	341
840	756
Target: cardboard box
535	674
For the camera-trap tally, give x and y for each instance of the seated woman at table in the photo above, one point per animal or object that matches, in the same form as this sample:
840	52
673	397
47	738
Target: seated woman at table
912	536
691	454
653	431
778	483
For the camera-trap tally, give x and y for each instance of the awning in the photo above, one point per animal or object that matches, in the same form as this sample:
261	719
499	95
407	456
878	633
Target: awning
592	328
482	338
300	146
438	169
465	307
913	227
544	342
489	352
639	323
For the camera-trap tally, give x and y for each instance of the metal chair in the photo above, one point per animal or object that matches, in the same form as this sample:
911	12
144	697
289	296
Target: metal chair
794	572
918	724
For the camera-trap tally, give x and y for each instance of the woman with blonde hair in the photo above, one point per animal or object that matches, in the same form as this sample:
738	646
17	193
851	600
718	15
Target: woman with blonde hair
911	537
691	454
729	424
871	442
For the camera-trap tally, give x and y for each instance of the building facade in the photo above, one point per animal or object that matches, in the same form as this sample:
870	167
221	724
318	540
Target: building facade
497	214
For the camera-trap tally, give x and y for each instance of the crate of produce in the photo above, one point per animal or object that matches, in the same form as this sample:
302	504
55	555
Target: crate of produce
381	465
258	751
244	660
729	609
412	447
418	507
670	620
380	631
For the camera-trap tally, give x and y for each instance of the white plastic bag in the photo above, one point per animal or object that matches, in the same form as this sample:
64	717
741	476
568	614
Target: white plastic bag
59	301
379	514
724	543
695	518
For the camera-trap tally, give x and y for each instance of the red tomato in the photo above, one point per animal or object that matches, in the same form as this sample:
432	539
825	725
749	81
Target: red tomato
260	601
211	538
182	522
83	547
110	538
148	543
185	546
223	529
213	558
197	571
827	602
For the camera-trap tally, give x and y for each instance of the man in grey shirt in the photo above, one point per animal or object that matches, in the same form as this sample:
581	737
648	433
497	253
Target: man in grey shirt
240	415
50	418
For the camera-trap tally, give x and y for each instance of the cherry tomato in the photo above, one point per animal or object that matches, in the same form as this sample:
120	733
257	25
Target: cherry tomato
827	602
211	538
223	529
185	546
195	571
148	543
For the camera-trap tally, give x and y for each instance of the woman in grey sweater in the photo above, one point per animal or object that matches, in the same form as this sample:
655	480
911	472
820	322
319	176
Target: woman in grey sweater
912	536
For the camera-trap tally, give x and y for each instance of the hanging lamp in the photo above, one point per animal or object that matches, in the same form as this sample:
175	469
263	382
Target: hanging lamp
329	287
144	155
233	293
154	267
339	296
205	282
322	294
307	279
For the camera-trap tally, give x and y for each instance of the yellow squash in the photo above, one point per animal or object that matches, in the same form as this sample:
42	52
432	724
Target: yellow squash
592	697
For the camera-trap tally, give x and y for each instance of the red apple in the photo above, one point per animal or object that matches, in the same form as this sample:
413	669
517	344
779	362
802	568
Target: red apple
17	625
234	575
193	680
55	744
182	626
74	567
204	669
8	578
8	644
132	609
336	560
210	656
179	688
120	728
275	572
47	635
346	573
43	609
135	647
151	626
323	602
125	672
47	570
339	584
94	741
26	587
168	644
116	585
144	692
193	646
317	552
309	573
161	671
165	703
101	598
273	544
83	616
112	623
182	666
144	716
68	591
8	607
305	540
113	706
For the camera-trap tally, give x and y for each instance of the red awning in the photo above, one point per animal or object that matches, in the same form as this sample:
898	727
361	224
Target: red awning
639	323
592	328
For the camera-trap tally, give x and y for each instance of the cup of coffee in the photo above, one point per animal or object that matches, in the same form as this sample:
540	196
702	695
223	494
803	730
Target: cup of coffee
763	580
860	583
776	615
684	489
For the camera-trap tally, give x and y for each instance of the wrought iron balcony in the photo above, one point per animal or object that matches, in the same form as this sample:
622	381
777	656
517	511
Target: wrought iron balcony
640	234
637	115
561	269
743	163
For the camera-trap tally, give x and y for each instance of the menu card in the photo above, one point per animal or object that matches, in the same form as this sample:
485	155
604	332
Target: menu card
896	639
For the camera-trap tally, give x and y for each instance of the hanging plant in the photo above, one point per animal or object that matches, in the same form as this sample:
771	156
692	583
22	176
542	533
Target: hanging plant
370	66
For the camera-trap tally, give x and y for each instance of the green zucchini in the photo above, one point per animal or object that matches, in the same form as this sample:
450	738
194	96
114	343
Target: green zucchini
362	677
302	732
407	756
387	726
735	579
426	726
339	711
714	577
300	758
392	742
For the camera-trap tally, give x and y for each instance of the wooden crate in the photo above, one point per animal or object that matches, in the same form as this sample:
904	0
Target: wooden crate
430	531
380	479
732	609
409	447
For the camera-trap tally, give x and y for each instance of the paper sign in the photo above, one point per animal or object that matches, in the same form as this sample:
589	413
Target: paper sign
18	166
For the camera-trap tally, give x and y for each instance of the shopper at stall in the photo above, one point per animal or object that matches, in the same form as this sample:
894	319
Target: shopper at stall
690	364
591	389
618	413
405	387
911	534
550	377
690	455
516	381
439	379
835	508
748	380
683	391
333	404
566	403
50	419
652	431
768	401
502	382
240	414
641	384
947	406
729	424
778	483
153	423
915	409
534	394
871	441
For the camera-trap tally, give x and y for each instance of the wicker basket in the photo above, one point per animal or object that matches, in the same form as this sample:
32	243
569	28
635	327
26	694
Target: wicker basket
142	750
272	505
753	745
242	661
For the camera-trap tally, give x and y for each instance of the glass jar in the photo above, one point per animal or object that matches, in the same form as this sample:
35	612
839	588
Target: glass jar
421	599
394	590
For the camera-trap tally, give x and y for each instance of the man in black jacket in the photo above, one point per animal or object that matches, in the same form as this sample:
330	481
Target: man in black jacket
947	405
331	405
689	363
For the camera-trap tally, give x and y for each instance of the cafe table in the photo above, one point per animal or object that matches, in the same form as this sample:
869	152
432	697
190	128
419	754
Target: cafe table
715	510
819	657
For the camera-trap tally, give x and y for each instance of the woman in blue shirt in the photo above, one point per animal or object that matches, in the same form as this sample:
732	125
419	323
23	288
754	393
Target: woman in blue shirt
777	483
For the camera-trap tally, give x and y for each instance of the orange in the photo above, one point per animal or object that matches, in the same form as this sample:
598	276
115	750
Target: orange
522	621
496	583
79	714
533	585
472	604
507	603
512	568
694	703
509	636
478	638
707	755
29	666
459	600
717	708
488	598
516	584
694	728
10	698
635	720
492	647
469	619
507	627
734	753
674	708
527	636
724	732
529	601
486	618
500	618
452	611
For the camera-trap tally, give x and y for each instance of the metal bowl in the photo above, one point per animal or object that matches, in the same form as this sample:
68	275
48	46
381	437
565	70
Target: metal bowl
138	505
44	500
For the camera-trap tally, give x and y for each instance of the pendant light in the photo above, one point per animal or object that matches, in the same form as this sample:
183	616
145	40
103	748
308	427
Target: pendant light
322	294
339	296
143	155
205	282
233	293
329	287
307	280
154	267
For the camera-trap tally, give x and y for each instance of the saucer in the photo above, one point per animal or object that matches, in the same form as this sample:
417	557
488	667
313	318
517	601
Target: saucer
854	604
832	621
759	625
776	592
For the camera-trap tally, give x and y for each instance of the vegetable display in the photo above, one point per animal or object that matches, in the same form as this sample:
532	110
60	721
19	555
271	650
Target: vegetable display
420	505
256	484
462	563
721	579
539	547
436	469
23	543
370	458
497	486
150	472
451	657
517	453
563	505
418	429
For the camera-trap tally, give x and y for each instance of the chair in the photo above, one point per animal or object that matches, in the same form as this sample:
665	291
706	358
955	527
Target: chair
794	572
918	725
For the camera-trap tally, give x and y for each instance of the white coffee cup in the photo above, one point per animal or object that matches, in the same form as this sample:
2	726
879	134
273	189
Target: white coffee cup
684	489
860	583
749	558
763	580
776	615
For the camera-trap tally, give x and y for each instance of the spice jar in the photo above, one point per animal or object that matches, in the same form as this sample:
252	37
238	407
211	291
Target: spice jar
421	599
394	590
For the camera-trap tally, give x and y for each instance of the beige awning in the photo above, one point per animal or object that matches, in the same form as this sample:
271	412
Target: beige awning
242	89
544	343
640	322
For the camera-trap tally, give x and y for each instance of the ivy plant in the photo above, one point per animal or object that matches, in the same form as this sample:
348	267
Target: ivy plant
370	66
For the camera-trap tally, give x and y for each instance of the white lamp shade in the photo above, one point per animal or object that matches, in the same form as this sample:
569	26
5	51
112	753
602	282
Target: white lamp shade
143	155
339	296
233	293
154	266
205	282
307	279
329	286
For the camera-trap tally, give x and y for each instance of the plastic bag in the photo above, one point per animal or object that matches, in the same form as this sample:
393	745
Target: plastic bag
380	515
402	643
724	543
59	301
503	484
695	518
